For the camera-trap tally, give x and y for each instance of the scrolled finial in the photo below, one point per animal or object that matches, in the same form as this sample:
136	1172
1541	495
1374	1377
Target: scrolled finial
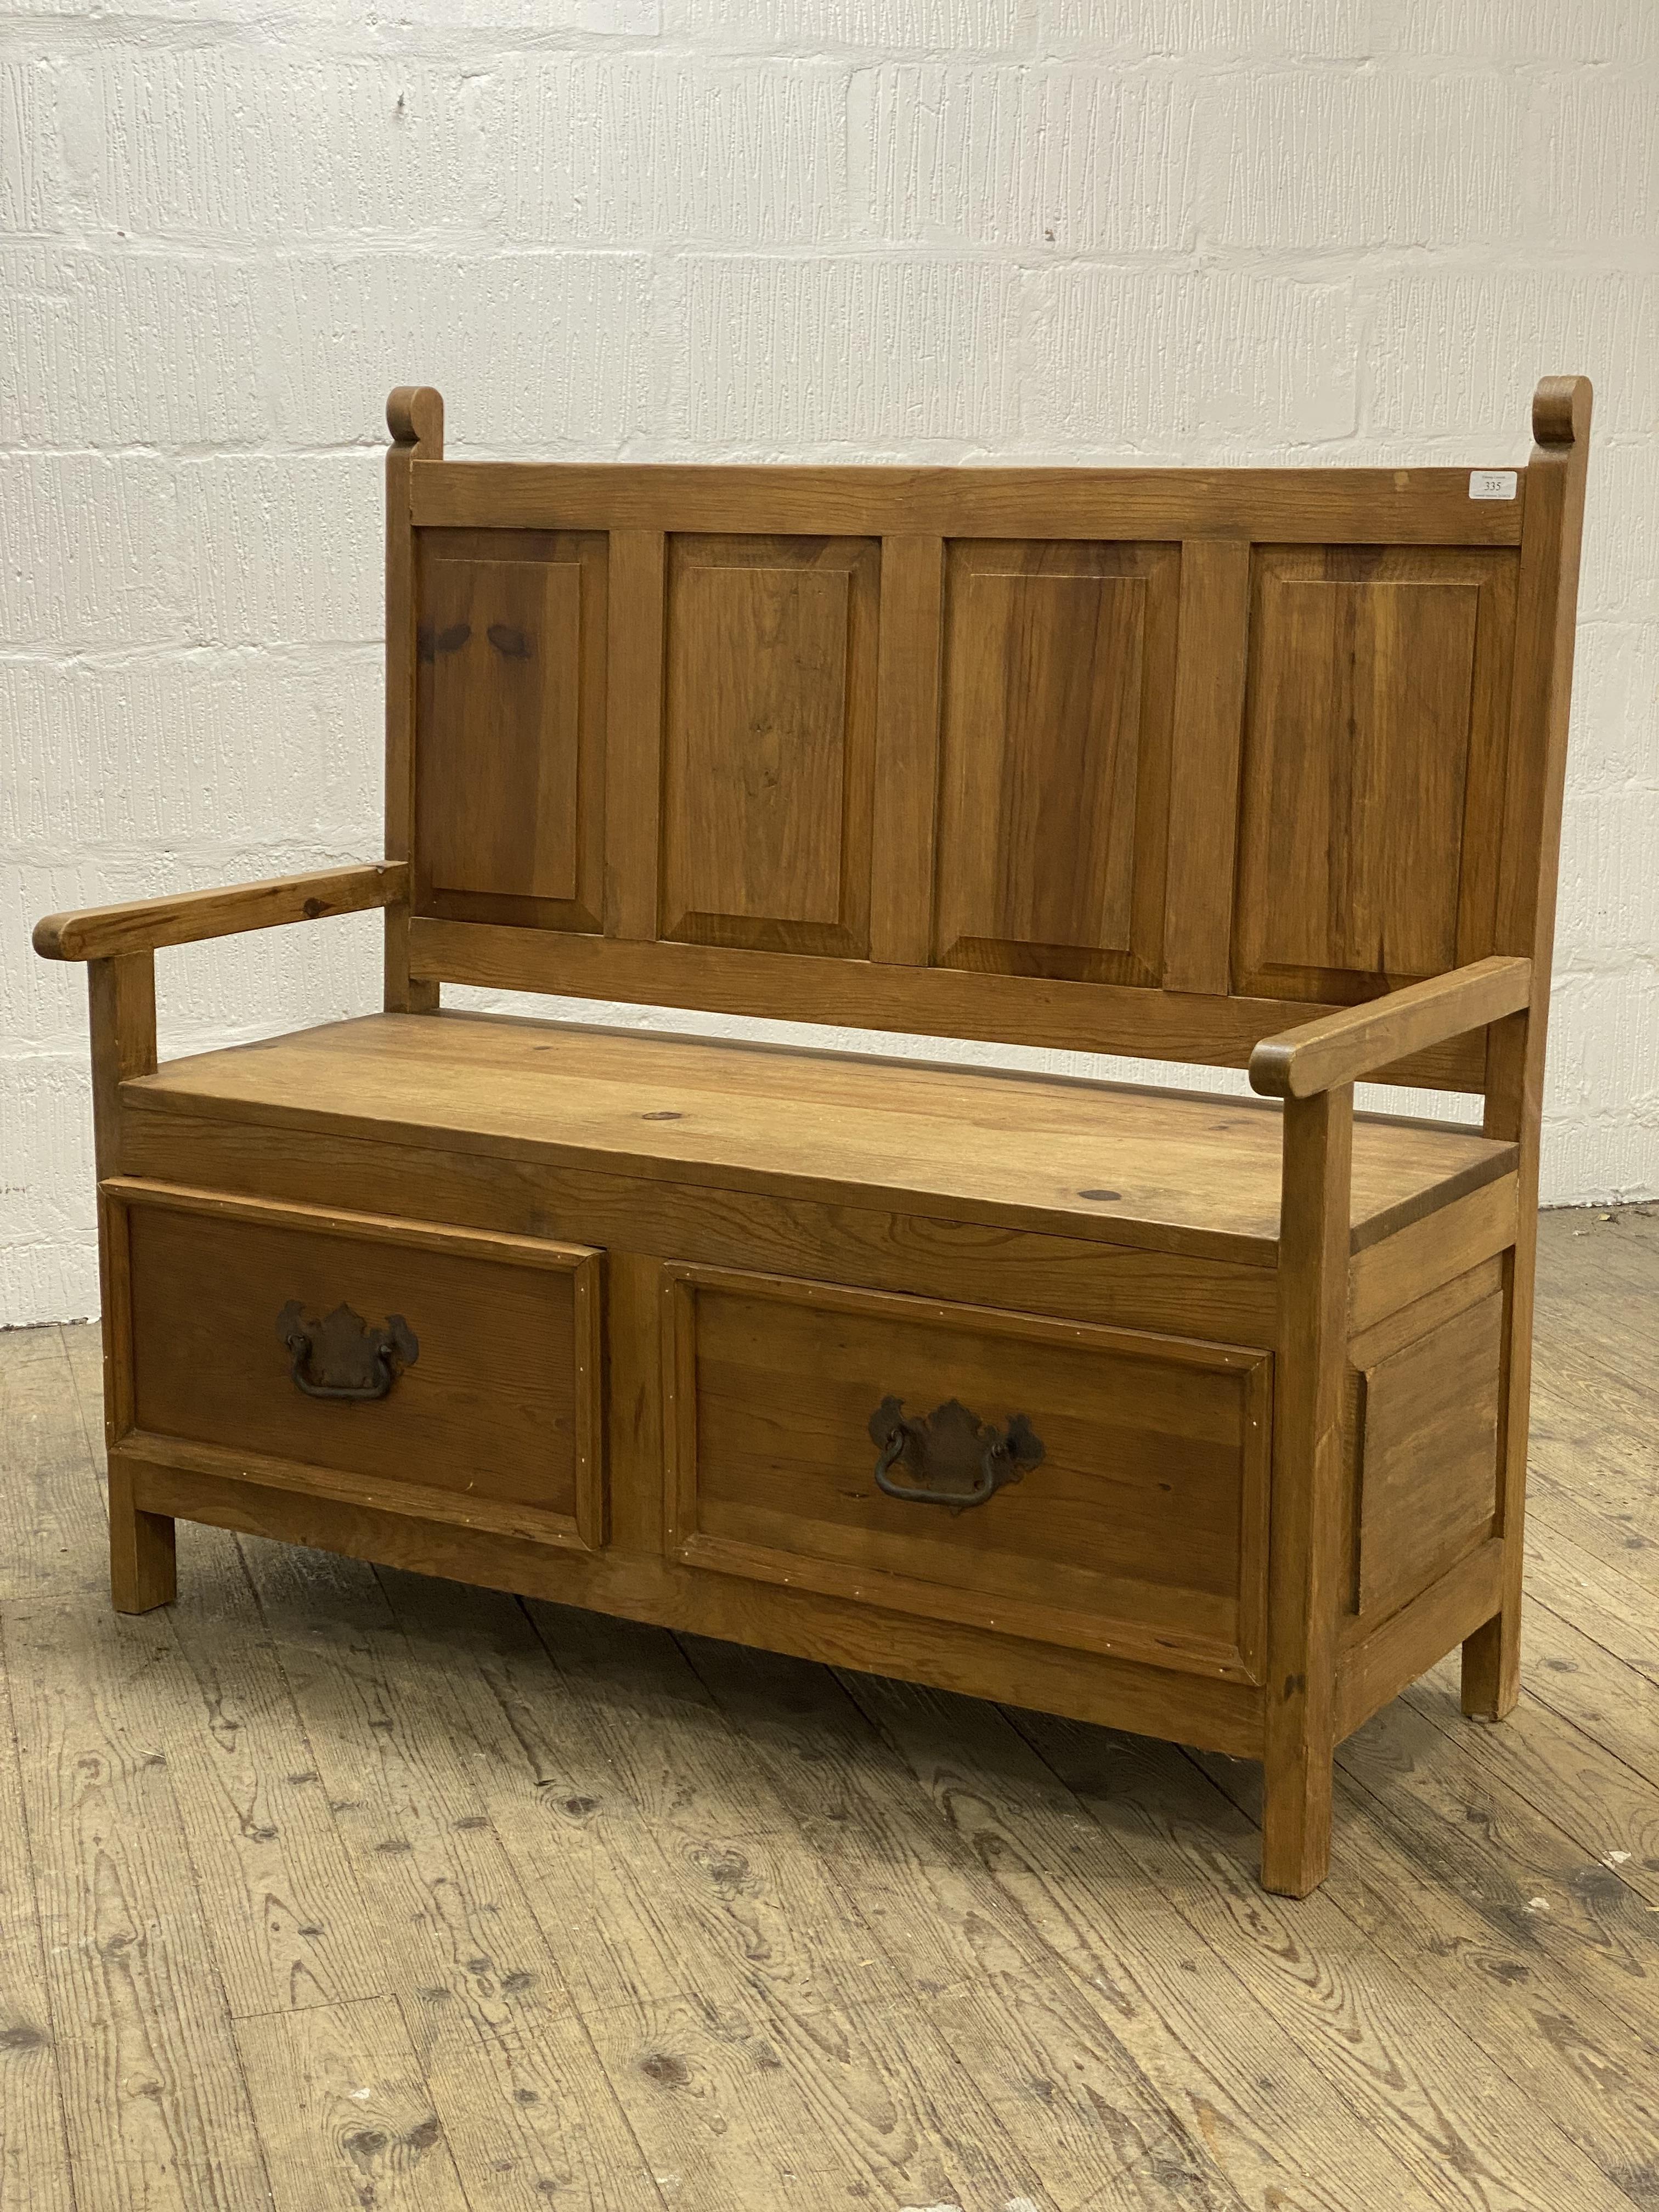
1561	410
415	416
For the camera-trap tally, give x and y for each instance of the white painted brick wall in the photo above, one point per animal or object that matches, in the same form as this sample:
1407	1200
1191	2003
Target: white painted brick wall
1048	230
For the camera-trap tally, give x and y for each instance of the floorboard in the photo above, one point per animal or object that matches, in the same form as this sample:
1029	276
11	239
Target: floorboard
344	2113
334	1888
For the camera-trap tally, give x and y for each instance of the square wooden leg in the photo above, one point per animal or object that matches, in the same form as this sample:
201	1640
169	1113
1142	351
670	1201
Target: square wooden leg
1295	1817
142	1564
1304	1571
1491	1665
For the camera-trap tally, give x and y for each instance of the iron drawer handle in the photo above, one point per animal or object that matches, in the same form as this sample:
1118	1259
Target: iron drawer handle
959	1439
347	1346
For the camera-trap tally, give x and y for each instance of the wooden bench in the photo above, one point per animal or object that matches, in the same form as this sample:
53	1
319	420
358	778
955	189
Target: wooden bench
1196	1415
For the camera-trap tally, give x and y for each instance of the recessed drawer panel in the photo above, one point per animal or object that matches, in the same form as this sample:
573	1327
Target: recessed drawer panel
419	1368
1092	1486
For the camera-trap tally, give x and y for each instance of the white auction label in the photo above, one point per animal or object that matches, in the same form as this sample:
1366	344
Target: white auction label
1491	484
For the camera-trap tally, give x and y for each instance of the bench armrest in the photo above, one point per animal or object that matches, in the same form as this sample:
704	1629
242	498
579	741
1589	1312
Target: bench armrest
98	932
1355	1041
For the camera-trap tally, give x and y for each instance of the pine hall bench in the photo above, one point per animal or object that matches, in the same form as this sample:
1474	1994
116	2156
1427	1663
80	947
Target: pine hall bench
1199	1416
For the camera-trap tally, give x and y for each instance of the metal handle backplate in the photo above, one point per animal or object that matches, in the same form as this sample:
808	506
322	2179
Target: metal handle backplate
972	1460
343	1356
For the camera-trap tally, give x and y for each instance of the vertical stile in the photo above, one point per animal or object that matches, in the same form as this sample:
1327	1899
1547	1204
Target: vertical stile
1208	729
907	751
415	416
634	707
121	999
1552	529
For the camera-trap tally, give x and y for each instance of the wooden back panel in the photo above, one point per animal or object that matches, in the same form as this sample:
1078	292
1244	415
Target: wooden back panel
1154	761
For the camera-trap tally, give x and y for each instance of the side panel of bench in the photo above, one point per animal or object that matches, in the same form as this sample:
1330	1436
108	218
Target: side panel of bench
1236	743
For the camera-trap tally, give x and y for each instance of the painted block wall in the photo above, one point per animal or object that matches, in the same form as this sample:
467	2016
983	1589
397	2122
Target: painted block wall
1050	230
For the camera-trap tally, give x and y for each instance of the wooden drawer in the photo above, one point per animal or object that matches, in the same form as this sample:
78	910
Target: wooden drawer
1141	1530
266	1333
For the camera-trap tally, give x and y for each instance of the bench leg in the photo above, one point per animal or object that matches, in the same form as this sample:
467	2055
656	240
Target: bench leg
143	1566
1491	1657
1515	1054
1304	1551
1295	1817
1491	1665
121	991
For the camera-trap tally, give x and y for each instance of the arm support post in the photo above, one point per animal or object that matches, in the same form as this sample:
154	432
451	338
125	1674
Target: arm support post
121	993
1305	1544
121	996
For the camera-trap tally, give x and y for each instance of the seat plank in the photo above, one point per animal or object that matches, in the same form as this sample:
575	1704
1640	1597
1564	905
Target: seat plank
1176	1171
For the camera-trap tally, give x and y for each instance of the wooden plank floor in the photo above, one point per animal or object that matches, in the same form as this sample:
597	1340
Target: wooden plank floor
331	1889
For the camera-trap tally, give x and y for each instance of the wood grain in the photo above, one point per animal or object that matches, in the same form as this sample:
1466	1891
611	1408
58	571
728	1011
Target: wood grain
1563	1776
1377	1662
1394	1273
121	1001
1303	1589
122	996
1339	506
1194	1174
415	416
504	1333
1070	1277
810	1892
1373	758
104	932
34	2169
1543	1994
903	838
1219	1714
282	1908
1139	761
344	2115
1059	693
1027	1010
768	742
1065	1986
1406	1324
511	736
155	1469
1142	1532
507	2062
1346	1047
845	2096
635	603
1424	2092
1538	706
84	1347
154	2097
1206	737
51	1517
1428	1489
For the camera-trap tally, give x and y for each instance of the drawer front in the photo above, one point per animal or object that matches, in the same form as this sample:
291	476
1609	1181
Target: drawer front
1099	1487
422	1369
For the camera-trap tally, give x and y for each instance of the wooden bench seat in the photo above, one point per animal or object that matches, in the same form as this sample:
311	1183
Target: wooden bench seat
1187	1412
1192	1173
